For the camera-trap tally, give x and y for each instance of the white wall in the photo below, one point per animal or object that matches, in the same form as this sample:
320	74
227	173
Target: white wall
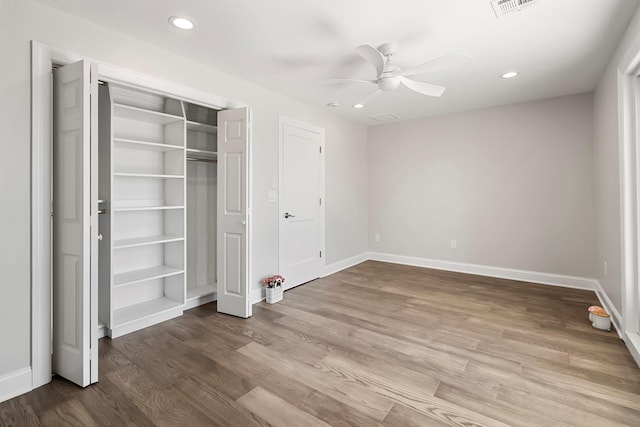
348	165
345	141
15	298
513	185
607	171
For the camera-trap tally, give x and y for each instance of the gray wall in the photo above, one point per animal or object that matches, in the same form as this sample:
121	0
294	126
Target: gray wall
513	185
15	297
346	232
607	171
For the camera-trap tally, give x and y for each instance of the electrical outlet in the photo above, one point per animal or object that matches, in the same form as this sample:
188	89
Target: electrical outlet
377	237
454	244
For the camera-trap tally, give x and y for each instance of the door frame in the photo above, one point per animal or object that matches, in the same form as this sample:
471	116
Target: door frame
629	139
282	121
43	57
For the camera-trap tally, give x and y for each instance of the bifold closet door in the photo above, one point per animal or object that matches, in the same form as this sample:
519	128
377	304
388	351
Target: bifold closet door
233	213
74	226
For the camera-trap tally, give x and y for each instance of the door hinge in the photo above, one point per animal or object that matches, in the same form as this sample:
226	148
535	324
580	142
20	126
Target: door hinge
321	149
320	201
320	254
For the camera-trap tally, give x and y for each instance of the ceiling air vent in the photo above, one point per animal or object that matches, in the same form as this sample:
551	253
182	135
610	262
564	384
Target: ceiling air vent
503	7
384	117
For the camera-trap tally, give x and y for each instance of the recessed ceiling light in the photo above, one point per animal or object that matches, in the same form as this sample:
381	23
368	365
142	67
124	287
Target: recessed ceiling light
358	105
332	104
509	75
182	22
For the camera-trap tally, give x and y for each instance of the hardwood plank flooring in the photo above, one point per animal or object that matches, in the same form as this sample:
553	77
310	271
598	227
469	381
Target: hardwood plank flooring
374	345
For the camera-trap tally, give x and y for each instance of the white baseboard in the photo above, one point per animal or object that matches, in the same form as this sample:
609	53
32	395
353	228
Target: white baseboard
345	263
257	295
632	341
15	383
633	344
608	306
198	301
102	331
483	270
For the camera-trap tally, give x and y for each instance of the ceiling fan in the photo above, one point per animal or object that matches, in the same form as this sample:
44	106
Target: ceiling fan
390	76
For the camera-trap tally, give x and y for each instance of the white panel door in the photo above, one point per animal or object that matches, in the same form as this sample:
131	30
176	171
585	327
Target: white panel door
300	258
74	269
233	212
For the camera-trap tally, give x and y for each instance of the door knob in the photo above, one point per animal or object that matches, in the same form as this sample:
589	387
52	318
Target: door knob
288	215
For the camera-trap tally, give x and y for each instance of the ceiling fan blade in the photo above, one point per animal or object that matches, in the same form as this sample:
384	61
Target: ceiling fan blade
337	81
442	63
373	56
422	87
370	97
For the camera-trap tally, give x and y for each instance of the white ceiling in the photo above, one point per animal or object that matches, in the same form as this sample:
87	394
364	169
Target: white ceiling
560	46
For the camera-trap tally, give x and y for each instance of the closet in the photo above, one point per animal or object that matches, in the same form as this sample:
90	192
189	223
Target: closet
158	202
143	207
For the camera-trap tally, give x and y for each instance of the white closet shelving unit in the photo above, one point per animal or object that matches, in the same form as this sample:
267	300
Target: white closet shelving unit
201	154
142	180
157	176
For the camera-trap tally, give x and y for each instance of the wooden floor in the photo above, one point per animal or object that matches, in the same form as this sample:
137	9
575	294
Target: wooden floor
377	344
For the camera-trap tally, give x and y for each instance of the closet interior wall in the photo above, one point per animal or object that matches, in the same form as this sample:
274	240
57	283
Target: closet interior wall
201	155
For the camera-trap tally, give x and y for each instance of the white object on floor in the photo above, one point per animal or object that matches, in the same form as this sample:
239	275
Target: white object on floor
274	294
600	321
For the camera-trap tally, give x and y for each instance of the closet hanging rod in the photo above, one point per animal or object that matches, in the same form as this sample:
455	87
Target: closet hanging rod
195	159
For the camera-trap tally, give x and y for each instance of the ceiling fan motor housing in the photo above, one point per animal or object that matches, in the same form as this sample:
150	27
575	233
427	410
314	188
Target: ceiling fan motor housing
388	49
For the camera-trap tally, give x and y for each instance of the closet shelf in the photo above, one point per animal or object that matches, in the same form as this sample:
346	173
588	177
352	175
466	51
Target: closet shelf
140	114
144	145
137	276
201	127
140	311
147	175
145	208
201	291
201	154
143	241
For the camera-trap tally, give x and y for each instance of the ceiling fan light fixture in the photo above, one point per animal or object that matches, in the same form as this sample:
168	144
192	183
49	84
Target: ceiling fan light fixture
182	23
388	83
510	75
358	106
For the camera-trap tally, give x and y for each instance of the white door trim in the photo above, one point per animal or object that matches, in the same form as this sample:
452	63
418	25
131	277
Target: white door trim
629	134
42	59
282	121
